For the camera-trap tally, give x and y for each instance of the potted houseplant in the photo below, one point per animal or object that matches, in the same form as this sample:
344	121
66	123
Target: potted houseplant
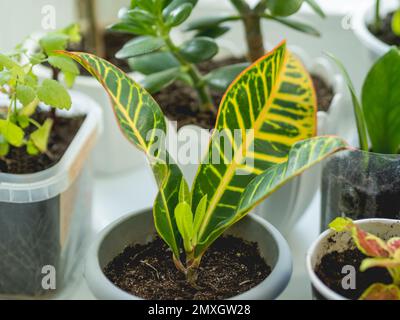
105	43
189	96
232	179
333	117
363	183
377	26
44	189
356	260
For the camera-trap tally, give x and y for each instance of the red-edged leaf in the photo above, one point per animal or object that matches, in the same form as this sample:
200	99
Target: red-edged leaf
381	292
369	244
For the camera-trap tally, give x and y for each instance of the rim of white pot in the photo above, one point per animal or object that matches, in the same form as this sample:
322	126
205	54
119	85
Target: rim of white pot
362	17
277	279
325	291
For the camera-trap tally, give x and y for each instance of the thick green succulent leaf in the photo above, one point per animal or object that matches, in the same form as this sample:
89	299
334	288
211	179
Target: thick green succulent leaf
179	15
269	108
142	121
220	79
153	62
210	22
213	32
158	81
140	46
315	6
296	25
199	49
381	103
284	8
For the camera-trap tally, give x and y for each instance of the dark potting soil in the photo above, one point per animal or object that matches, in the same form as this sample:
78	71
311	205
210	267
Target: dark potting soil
324	93
62	134
386	33
230	267
330	273
113	42
179	101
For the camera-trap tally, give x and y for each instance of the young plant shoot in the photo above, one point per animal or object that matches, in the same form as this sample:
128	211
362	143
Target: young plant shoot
26	93
252	17
378	25
382	254
272	104
160	59
378	112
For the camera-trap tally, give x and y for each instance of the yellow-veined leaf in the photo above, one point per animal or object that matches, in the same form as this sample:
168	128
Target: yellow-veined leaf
141	119
272	105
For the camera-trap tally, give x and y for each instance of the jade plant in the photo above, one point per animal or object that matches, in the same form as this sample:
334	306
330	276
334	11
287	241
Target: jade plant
252	16
272	104
378	112
25	92
156	55
380	253
377	25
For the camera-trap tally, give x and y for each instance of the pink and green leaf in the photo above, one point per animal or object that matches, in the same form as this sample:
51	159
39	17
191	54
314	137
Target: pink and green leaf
381	291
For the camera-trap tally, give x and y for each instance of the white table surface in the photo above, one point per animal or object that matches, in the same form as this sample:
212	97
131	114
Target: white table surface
118	195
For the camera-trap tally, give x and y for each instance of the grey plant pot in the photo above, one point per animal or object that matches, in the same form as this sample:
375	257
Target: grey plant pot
139	228
384	228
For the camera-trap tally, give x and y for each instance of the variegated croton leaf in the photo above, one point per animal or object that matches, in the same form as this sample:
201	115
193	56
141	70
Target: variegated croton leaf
142	121
272	105
382	254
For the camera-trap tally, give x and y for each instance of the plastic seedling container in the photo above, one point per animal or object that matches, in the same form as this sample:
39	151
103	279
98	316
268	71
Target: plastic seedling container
45	217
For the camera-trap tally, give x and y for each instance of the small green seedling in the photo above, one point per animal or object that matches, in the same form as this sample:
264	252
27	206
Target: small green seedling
19	82
382	254
161	60
275	114
378	113
252	17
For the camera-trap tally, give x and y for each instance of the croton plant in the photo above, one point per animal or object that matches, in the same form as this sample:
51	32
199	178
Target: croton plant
380	253
252	16
25	92
272	101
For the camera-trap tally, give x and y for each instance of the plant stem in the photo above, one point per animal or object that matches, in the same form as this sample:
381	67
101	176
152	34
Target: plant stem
254	36
55	75
203	92
378	21
252	24
192	269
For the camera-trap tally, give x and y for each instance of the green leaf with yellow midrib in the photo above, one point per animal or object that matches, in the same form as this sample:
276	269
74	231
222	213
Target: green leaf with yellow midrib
275	97
138	114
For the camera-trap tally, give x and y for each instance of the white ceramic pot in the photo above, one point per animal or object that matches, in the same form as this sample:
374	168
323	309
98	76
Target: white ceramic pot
113	153
362	17
138	228
331	241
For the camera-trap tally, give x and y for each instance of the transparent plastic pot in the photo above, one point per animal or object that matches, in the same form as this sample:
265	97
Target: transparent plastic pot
45	217
360	185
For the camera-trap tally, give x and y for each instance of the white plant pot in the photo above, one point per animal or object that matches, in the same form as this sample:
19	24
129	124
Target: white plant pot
113	153
331	241
46	216
364	16
138	228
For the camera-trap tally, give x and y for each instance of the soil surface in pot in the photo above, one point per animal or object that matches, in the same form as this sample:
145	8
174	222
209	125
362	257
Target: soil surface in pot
230	267
62	134
179	101
330	273
113	42
386	34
